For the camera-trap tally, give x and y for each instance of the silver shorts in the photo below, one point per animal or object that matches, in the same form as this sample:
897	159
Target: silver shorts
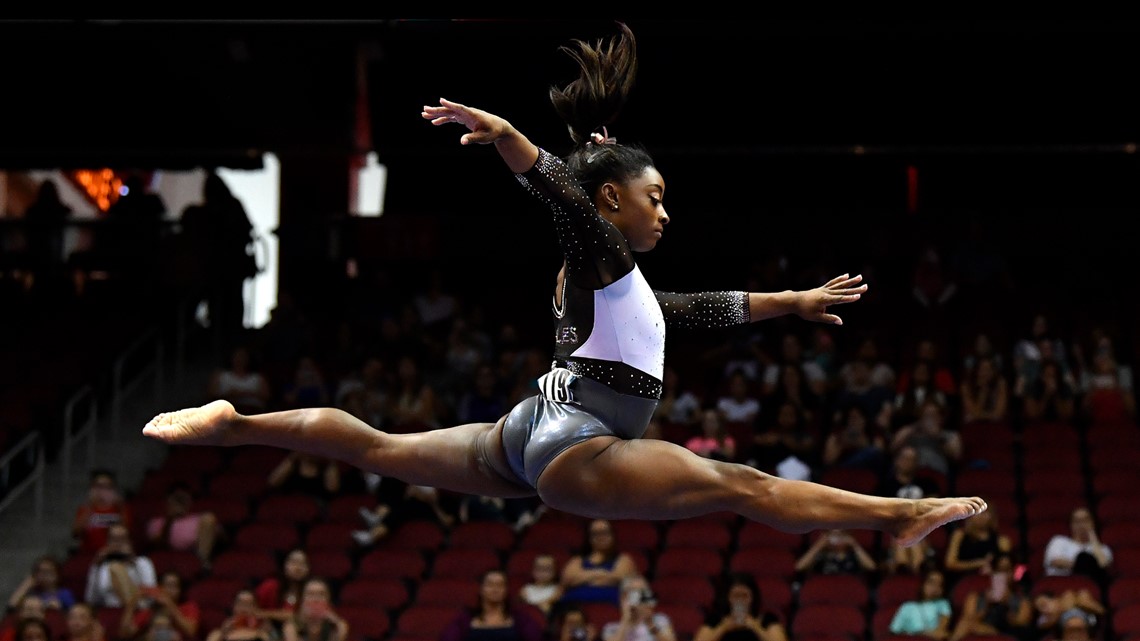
567	410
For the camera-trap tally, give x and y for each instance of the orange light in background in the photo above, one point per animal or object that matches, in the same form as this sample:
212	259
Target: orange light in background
101	185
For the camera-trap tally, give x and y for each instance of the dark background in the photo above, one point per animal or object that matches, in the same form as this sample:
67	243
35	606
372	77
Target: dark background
1023	125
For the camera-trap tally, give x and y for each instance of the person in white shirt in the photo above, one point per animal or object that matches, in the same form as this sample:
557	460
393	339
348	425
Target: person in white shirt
640	620
117	575
1063	553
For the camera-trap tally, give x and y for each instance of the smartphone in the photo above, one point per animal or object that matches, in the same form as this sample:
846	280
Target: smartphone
999	584
634	597
1019	571
739	612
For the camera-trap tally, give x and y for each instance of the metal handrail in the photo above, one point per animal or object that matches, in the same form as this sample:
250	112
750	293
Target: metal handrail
29	446
121	388
83	398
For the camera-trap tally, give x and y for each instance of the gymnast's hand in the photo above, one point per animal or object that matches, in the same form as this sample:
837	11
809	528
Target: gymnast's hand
812	304
485	127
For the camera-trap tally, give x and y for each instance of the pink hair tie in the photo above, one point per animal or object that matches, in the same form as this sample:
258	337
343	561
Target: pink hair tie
603	138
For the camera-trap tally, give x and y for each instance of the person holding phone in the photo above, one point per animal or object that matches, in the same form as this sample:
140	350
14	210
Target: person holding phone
315	619
739	615
244	623
1002	608
640	620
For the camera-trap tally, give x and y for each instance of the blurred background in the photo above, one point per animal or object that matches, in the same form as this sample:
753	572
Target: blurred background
254	209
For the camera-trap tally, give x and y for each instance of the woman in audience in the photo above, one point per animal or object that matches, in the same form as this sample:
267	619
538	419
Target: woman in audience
928	614
277	597
43	582
494	618
314	619
739	614
595	573
244	622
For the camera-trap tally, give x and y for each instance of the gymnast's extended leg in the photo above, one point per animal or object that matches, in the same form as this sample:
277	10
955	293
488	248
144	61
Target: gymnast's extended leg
466	458
607	477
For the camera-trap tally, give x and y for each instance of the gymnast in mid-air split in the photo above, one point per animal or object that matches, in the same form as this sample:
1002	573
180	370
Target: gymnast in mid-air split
577	444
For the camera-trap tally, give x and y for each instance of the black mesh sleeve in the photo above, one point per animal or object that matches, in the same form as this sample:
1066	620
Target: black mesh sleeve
710	310
596	252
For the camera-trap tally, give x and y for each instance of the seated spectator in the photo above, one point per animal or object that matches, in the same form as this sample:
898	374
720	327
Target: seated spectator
678	405
787	443
414	402
300	473
104	507
82	624
939	449
855	441
181	528
928	614
43	583
118	575
419	502
738	405
859	389
244	623
1050	398
1105	399
739	615
1003	609
640	620
975	545
168	601
32	630
914	388
278	596
240	382
493	618
484	402
576	626
29	608
594	574
308	387
1080	551
314	619
714	441
1052	608
1075	625
835	552
985	394
543	590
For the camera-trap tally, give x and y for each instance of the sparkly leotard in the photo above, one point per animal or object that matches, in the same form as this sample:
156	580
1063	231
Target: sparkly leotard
609	339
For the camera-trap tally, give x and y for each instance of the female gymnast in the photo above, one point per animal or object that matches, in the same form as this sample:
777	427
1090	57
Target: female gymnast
576	444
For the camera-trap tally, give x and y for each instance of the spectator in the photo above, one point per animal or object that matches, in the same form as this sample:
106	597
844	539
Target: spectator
183	529
543	590
985	394
168	601
835	552
1074	625
789	444
485	402
975	546
1050	399
1003	609
494	618
739	615
32	630
594	574
43	583
640	620
855	442
308	387
914	392
162	628
1079	552
928	614
314	619
241	383
277	597
792	353
118	575
414	401
300	473
244	622
29	608
714	441
679	405
1105	400
575	626
82	624
103	508
1052	608
738	405
938	448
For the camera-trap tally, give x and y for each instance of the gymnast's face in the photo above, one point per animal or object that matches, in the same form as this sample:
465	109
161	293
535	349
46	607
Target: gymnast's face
640	213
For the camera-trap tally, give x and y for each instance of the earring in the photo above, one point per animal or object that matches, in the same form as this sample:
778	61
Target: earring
613	206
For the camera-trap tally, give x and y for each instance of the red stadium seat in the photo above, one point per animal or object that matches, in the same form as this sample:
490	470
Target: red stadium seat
292	508
835	589
698	533
450	592
637	535
394	564
331	535
415	535
247	564
215	592
464	563
894	589
686	618
365	622
692	562
387	594
425	621
554	534
333	565
831	620
684	590
274	537
346	507
764	562
757	535
492	535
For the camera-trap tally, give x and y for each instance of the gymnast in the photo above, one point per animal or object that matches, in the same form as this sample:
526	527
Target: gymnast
577	444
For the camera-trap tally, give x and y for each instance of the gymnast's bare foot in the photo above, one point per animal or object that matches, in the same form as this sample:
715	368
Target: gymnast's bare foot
930	514
205	425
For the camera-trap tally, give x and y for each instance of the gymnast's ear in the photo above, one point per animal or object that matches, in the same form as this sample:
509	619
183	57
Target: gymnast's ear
608	197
